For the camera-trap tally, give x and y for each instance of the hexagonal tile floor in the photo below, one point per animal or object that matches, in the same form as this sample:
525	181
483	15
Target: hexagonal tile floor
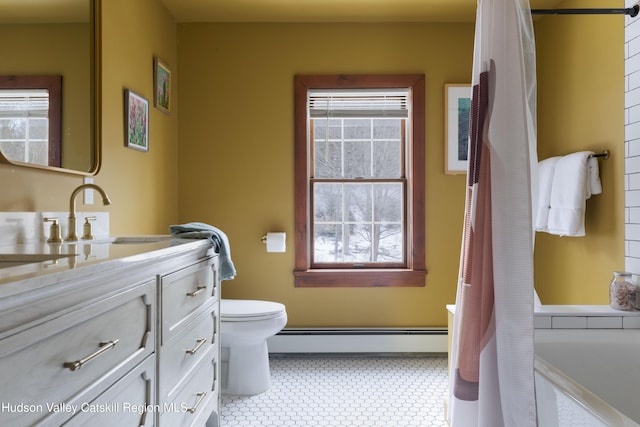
331	391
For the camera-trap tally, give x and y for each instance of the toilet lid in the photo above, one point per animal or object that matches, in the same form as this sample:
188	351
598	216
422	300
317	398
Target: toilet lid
233	309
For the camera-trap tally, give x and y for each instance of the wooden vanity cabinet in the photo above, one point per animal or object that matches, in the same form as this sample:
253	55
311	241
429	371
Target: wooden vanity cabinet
188	354
56	369
141	349
126	403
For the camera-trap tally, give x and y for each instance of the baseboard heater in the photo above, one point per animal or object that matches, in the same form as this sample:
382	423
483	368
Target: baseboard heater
359	340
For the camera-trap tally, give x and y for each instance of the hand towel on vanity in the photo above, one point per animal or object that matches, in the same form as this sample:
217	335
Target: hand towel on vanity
219	240
575	179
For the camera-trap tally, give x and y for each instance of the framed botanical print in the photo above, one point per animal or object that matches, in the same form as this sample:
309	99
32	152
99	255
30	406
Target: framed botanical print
136	121
162	86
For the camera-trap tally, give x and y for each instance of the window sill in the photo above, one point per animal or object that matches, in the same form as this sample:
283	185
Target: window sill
360	278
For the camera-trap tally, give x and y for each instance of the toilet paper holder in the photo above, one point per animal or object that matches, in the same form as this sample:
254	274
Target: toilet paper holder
275	241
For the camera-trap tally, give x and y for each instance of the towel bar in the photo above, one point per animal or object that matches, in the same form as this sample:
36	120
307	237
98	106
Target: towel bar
631	11
604	154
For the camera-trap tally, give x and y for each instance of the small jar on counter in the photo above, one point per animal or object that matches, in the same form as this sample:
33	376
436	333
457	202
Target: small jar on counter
622	291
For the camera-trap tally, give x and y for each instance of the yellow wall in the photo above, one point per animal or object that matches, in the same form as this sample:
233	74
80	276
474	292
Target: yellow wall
142	186
234	165
236	153
581	107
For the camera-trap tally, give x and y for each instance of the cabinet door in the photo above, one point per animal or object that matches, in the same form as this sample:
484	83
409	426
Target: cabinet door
183	353
197	399
48	372
183	292
128	403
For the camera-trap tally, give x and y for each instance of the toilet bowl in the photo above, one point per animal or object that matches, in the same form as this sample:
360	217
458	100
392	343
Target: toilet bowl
245	326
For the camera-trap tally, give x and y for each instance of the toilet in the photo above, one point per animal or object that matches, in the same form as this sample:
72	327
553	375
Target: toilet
245	326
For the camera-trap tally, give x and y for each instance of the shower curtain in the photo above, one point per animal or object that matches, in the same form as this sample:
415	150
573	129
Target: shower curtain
492	381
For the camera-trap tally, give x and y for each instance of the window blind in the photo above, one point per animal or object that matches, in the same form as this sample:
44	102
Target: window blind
24	103
352	103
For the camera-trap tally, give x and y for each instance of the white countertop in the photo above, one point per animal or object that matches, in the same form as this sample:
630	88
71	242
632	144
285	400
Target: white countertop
89	257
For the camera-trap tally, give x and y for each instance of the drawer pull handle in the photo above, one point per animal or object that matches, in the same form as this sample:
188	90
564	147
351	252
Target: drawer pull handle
143	419
197	291
104	346
201	396
199	344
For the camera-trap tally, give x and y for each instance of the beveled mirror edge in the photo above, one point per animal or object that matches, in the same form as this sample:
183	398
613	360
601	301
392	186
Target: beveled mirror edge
96	99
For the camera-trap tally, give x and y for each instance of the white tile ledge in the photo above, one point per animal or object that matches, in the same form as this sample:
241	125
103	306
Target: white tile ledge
582	310
572	310
581	317
585	317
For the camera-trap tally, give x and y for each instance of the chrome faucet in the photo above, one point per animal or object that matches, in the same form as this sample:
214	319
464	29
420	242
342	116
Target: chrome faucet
73	236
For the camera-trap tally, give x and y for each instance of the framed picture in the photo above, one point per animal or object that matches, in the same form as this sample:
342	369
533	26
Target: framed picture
137	121
457	108
162	85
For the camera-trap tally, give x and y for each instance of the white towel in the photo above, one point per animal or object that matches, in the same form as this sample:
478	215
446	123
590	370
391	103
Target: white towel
575	179
594	175
546	170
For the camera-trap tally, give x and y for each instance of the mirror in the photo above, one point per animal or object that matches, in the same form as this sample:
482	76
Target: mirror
50	40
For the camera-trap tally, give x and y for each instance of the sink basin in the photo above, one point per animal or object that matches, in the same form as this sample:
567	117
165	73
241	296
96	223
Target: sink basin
13	260
131	240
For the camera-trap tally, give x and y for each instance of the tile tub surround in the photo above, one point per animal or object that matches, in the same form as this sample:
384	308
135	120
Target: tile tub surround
580	317
632	142
585	317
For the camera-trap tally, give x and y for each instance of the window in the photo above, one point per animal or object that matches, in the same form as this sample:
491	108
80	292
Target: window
359	143
30	119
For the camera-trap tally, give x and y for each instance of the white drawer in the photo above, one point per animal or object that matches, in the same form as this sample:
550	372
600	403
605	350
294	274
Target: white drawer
71	358
197	399
184	352
183	292
128	403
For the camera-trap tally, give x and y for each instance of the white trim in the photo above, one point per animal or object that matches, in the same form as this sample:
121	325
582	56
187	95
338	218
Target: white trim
359	340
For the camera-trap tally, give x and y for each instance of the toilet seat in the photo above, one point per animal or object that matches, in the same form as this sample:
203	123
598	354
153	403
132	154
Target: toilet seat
232	310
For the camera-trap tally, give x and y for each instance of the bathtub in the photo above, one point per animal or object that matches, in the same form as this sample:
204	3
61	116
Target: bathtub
588	377
587	367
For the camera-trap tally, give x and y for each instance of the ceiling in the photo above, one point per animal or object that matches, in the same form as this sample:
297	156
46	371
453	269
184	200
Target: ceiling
269	10
330	10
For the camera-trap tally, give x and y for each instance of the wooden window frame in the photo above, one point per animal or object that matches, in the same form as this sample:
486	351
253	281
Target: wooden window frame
415	272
